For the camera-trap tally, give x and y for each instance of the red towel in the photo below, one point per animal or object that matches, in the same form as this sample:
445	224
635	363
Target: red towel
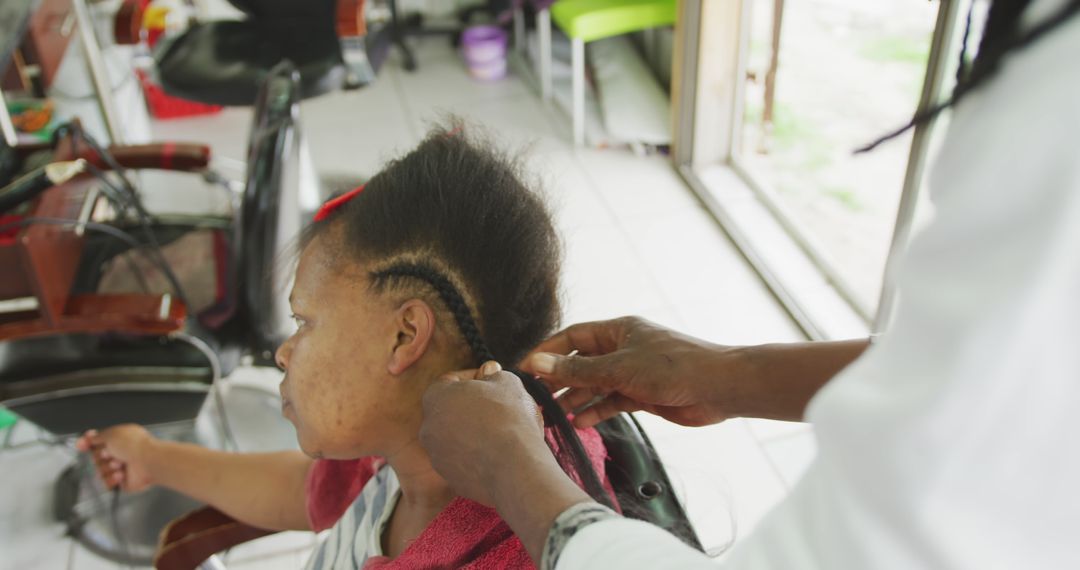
465	534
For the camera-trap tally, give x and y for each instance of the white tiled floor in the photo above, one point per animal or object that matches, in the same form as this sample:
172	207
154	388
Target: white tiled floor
636	242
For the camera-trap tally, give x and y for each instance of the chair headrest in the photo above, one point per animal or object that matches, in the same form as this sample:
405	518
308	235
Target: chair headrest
285	9
639	479
270	217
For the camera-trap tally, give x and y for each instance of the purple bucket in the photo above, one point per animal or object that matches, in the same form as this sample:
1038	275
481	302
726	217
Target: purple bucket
484	49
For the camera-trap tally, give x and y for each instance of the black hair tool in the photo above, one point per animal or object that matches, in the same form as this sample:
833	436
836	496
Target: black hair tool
37	181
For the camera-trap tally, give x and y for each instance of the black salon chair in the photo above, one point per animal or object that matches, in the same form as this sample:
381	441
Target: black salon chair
105	359
10	162
224	62
639	479
637	476
67	380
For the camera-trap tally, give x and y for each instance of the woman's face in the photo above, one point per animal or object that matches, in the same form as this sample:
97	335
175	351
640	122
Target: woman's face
337	390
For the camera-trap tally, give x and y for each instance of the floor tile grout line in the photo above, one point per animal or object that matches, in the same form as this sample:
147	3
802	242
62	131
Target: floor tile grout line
487	100
626	235
403	96
633	217
593	185
780	438
622	221
444	108
404	105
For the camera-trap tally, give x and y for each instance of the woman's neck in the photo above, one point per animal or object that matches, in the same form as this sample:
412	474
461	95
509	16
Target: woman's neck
422	488
424	494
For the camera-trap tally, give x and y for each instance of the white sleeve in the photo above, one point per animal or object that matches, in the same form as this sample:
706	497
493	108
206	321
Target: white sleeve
625	543
951	443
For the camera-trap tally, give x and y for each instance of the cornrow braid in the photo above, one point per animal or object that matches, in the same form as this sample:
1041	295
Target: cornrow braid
999	39
569	450
449	295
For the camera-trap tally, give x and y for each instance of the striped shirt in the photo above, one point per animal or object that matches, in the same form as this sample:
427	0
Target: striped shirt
356	536
354	499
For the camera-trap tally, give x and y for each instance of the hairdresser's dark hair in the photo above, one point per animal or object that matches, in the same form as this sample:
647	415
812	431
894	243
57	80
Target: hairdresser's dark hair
452	222
1001	35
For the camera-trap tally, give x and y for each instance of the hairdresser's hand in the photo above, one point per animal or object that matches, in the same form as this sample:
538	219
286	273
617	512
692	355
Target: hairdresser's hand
485	436
119	455
474	422
630	364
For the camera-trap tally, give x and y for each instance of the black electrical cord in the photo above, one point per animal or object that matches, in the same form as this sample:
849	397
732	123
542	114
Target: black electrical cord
145	219
105	229
215	384
38	180
114	513
135	271
132	197
145	224
124	197
114	516
79	134
115	195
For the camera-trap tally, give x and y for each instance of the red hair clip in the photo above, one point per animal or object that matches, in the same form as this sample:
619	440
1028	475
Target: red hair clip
331	205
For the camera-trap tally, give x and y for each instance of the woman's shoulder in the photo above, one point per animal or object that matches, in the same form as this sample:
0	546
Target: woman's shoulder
590	440
332	485
594	447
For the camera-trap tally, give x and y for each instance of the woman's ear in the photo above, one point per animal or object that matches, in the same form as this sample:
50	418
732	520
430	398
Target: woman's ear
415	324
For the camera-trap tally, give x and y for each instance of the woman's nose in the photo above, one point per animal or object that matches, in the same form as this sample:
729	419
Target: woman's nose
281	355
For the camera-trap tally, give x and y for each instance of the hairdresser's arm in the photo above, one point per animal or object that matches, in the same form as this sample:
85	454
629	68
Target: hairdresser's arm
265	490
561	527
636	365
513	469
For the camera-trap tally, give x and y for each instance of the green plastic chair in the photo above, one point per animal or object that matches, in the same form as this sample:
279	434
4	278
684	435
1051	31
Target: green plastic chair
7	419
585	21
7	422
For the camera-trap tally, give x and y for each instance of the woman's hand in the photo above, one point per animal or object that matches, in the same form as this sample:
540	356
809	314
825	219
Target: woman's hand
119	454
630	364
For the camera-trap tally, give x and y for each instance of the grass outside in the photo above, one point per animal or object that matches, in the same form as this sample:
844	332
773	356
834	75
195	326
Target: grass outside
849	71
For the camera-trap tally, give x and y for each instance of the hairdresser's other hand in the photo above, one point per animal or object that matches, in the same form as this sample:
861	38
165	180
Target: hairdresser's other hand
476	423
629	364
119	455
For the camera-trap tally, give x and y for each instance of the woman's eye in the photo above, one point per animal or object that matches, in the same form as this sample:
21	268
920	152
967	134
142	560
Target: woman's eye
298	321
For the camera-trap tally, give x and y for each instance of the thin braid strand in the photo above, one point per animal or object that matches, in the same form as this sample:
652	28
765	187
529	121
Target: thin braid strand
979	73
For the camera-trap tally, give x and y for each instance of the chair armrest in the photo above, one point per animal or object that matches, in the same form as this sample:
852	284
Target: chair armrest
136	314
24	150
127	22
189	540
163	156
349	18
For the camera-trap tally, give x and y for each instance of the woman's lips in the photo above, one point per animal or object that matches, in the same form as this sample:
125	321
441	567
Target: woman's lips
285	403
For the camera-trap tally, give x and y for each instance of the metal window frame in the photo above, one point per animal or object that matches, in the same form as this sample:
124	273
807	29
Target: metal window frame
943	44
